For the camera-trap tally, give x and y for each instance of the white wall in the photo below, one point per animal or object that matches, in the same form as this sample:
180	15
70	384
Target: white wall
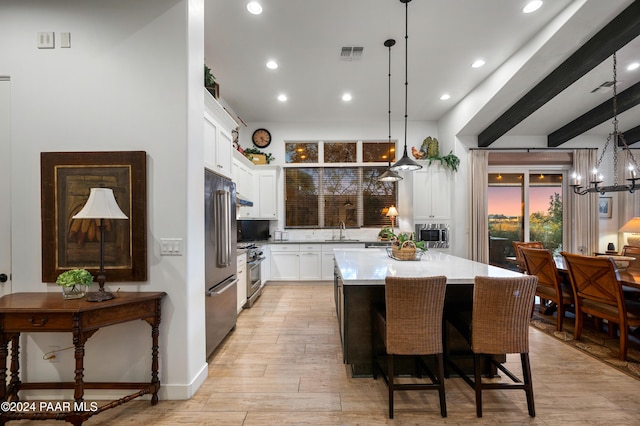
125	84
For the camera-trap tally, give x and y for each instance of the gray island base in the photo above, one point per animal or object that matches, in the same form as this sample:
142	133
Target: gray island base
359	285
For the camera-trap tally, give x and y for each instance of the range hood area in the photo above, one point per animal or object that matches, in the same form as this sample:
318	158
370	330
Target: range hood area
243	201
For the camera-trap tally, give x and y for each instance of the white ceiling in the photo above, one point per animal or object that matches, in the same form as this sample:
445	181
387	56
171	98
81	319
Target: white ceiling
445	36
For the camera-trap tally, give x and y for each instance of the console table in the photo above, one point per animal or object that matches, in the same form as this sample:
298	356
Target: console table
49	312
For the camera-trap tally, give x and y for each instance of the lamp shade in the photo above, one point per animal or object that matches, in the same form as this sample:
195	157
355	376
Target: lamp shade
632	226
393	212
101	205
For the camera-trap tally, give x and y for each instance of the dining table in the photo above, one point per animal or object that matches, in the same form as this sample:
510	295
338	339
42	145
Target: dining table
629	276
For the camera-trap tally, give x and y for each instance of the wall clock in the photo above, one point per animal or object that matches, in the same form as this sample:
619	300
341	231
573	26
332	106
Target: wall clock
261	138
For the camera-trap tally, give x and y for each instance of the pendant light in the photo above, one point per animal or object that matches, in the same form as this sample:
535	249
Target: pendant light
389	175
406	163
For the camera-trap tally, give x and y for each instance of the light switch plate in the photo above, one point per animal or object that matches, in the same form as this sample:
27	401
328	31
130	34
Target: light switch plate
46	40
65	40
171	246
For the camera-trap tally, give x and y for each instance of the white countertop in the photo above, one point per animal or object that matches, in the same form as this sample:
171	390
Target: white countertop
371	266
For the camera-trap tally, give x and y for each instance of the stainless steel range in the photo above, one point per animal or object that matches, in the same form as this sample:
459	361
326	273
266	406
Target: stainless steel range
254	278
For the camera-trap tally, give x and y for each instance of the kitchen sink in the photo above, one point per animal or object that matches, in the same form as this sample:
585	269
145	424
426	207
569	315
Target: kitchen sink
344	240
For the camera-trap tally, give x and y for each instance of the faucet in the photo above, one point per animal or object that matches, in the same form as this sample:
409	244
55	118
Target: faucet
342	228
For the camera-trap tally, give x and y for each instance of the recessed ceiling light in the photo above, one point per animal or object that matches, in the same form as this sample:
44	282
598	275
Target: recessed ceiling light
346	97
272	65
532	6
254	8
445	97
478	63
633	66
282	98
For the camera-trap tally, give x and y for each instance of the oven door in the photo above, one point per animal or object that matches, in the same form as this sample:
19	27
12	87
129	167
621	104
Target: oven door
254	282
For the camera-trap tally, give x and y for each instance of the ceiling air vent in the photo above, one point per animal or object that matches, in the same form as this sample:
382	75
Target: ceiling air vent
350	53
604	87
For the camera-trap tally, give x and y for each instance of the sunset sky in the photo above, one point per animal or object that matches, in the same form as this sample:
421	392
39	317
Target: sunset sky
506	200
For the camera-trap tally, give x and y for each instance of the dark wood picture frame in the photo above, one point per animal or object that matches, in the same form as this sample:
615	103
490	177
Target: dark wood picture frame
66	180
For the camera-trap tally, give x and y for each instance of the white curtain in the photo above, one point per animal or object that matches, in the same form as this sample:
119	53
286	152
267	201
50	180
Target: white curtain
582	217
479	206
628	203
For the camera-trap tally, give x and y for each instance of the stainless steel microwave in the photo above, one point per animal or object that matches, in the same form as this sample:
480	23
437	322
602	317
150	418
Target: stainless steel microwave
436	235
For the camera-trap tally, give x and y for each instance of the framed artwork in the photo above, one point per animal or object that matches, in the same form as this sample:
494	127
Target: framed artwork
604	207
66	181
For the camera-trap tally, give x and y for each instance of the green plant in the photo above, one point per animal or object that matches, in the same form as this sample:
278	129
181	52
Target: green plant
256	151
74	276
450	160
209	79
405	239
431	150
386	233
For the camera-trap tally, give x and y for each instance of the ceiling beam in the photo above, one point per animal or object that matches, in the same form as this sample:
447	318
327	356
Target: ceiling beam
598	115
632	135
616	34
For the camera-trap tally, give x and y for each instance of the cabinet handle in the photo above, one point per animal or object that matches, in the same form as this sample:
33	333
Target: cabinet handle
34	323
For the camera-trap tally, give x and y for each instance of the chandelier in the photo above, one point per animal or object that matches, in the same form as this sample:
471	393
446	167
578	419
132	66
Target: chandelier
616	138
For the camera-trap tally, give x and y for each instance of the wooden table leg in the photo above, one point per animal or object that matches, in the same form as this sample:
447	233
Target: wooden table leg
4	341
78	342
14	383
155	332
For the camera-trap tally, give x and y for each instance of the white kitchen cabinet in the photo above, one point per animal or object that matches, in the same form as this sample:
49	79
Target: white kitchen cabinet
310	262
284	266
266	181
242	280
218	142
243	177
432	193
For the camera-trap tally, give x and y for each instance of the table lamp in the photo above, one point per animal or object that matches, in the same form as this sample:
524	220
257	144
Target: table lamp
632	226
392	213
101	205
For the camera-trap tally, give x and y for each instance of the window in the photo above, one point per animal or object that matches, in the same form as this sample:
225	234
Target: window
323	197
524	205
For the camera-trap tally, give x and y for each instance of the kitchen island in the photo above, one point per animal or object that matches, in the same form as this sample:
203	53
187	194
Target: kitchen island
359	277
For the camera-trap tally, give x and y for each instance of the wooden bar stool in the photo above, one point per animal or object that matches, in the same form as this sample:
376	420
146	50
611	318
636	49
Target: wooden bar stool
411	325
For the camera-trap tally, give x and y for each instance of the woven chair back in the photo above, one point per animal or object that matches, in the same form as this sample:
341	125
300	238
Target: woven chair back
594	278
501	314
414	315
539	262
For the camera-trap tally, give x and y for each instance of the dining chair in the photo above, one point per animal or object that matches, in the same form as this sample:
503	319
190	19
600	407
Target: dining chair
539	262
516	249
500	325
631	293
410	324
598	292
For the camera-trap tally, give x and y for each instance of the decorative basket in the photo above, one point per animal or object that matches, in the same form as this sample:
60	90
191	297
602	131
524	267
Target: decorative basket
407	253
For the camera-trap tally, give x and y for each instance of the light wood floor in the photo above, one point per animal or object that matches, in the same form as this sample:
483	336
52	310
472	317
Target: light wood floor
283	366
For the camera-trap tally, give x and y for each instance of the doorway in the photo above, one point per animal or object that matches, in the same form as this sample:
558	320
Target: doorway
5	185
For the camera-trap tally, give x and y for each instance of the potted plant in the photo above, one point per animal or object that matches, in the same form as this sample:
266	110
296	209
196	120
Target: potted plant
404	247
253	153
386	234
210	82
75	283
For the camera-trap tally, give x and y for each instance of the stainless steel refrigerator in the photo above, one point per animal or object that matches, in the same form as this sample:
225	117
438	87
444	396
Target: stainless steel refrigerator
220	258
